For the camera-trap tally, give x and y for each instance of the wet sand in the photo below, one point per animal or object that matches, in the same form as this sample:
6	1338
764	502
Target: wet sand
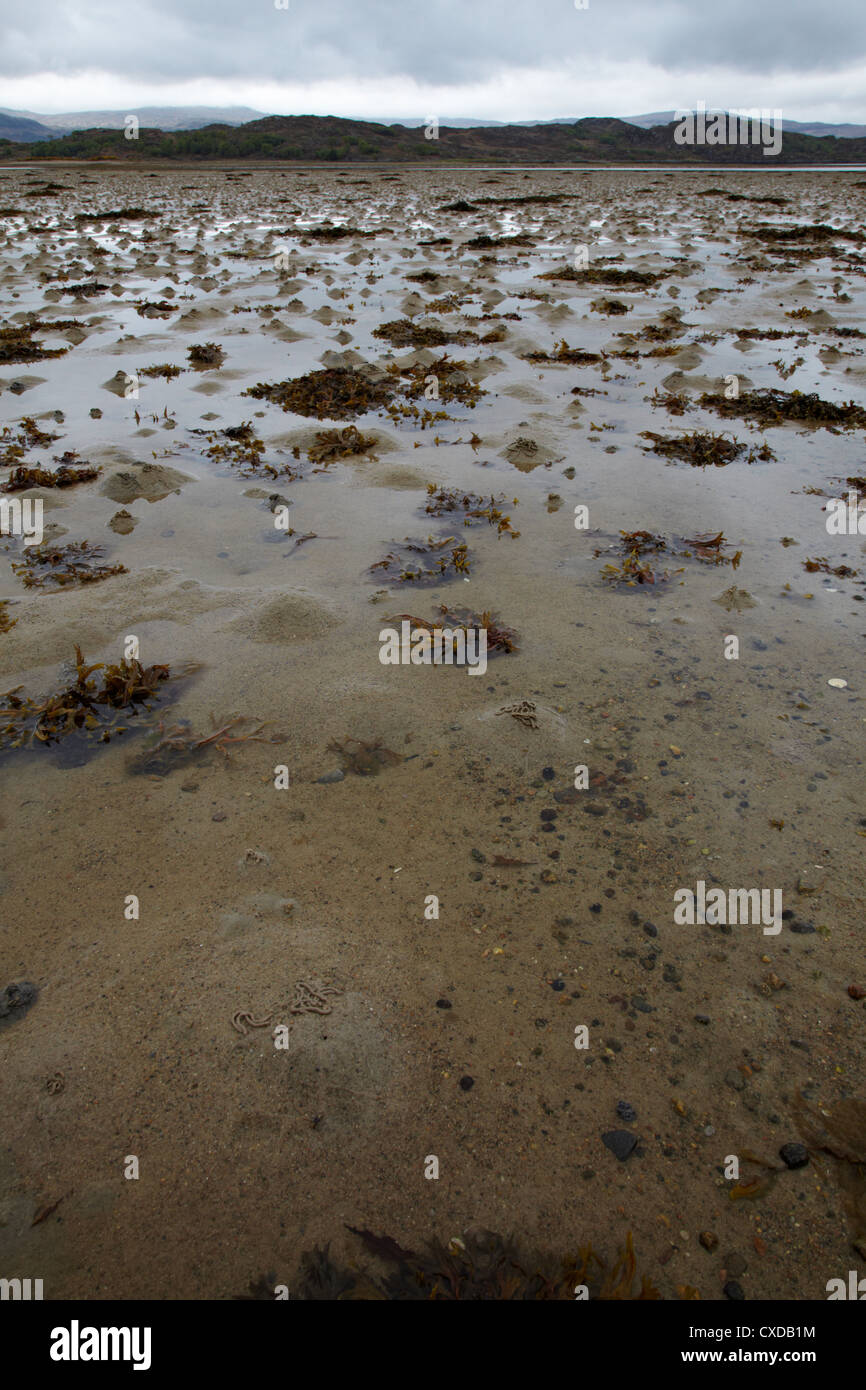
743	773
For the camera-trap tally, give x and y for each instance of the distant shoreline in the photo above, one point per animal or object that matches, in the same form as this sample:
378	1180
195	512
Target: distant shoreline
260	165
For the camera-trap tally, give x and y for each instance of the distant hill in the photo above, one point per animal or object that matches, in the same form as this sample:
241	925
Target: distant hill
842	132
157	117
594	140
14	126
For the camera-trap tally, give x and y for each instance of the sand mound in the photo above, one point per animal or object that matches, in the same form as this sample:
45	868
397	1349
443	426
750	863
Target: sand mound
151	481
287	618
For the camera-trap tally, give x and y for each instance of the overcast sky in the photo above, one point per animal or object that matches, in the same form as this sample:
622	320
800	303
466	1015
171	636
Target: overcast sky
490	59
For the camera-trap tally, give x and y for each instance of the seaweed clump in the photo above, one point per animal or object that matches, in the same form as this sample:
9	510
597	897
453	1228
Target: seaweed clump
335	393
442	499
206	354
14	446
480	1266
453	382
610	307
810	231
61	567
775	407
80	705
166	370
180	745
330	445
600	274
238	447
499	638
703	448
634	567
568	355
17	345
821	565
456	558
63	476
87	289
363	759
334	233
404	333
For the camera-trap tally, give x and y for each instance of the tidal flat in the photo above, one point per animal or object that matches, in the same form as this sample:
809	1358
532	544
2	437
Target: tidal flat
292	921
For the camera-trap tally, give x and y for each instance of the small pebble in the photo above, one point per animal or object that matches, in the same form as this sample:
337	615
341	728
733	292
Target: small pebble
466	1083
620	1142
794	1155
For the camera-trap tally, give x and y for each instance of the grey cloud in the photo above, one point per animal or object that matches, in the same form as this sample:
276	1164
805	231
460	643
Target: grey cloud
443	42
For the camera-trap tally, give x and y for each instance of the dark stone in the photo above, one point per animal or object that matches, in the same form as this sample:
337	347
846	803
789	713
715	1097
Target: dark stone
478	856
625	1111
443	1003
802	928
733	1291
557	984
15	1000
620	1142
548	773
794	1155
466	1083
549	814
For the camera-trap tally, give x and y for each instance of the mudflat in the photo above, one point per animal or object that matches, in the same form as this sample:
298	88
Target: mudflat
284	923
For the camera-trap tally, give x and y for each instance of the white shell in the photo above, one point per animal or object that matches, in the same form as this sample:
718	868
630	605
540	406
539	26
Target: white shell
837	683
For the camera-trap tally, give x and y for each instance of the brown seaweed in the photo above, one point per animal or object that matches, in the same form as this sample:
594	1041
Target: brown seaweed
563	353
405	333
59	567
179	745
363	759
63	476
82	706
478	1266
442	499
775	407
330	445
166	370
206	355
335	393
821	565
17	345
450	554
601	274
703	448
